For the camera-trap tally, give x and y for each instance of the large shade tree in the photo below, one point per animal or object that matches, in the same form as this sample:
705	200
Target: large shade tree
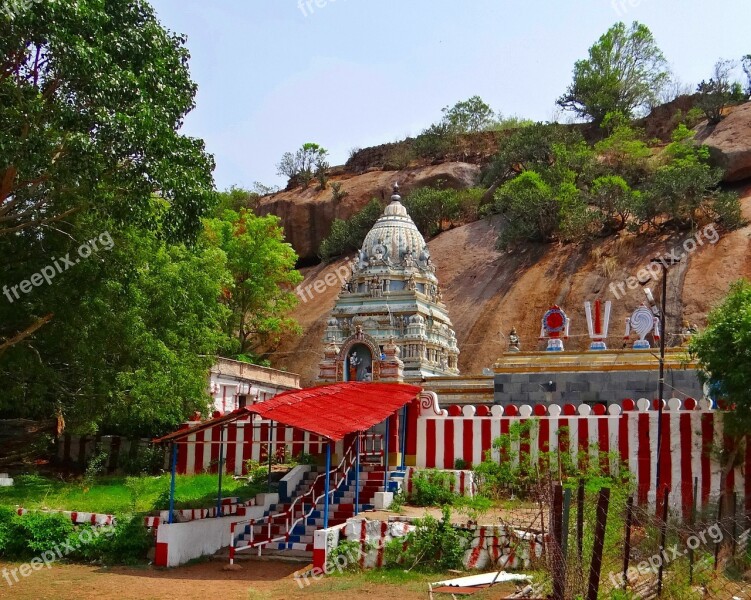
92	96
624	72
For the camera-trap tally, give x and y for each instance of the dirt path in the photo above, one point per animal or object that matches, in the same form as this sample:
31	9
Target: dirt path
258	580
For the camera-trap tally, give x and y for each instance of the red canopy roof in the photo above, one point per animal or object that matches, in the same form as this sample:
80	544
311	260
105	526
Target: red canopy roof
332	411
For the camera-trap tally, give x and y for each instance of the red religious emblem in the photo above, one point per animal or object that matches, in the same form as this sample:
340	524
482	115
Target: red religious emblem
555	324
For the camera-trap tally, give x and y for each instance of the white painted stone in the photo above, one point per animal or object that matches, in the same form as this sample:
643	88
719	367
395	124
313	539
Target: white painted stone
642	404
614	409
525	410
383	500
674	404
469	411
554	410
6	482
584	410
496	410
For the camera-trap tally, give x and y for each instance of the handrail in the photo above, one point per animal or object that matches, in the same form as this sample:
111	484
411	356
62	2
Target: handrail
345	465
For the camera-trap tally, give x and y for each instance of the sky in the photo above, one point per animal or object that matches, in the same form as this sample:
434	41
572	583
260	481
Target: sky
274	74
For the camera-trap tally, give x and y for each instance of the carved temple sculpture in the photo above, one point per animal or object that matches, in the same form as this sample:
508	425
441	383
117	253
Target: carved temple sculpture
394	303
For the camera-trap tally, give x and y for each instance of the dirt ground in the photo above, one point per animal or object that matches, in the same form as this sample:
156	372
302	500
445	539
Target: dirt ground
257	580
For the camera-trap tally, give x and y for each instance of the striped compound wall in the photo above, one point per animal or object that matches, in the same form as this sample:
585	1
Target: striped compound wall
691	433
244	440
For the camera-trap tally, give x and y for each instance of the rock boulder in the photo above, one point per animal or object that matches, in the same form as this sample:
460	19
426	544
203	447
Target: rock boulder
730	142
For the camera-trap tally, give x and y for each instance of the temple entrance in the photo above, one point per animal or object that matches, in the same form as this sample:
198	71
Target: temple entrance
359	364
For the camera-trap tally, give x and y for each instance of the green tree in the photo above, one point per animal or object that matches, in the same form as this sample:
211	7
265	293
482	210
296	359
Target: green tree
91	100
348	235
624	151
301	165
134	334
261	265
615	200
625	72
722	354
530	209
687	187
469	116
430	208
720	91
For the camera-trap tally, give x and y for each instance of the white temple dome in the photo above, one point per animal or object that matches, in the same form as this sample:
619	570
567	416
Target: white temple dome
394	234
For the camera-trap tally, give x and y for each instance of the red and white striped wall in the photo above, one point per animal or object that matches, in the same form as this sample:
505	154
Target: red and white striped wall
244	440
77	518
691	431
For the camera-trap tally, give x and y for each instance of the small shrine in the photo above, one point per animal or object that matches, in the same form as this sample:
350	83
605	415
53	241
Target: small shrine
389	321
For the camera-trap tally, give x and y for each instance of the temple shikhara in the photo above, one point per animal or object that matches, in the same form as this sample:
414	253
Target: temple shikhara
390	400
389	323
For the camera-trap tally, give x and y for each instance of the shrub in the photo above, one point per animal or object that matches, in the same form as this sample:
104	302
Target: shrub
432	488
345	556
399	157
460	464
147	460
257	473
33	533
129	544
337	194
433	545
431	207
347	236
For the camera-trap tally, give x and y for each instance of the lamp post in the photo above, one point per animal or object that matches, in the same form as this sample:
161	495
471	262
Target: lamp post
666	262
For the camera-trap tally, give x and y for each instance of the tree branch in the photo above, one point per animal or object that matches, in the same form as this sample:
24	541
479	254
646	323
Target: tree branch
30	330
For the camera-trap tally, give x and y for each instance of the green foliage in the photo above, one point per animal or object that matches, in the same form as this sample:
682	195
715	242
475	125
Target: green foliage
337	193
722	352
347	236
96	466
301	165
399	157
469	116
435	141
687	187
129	543
530	209
236	199
623	151
34	533
89	145
717	93
615	200
321	173
435	544
344	557
398	501
261	269
146	460
257	473
432	207
625	71
431	487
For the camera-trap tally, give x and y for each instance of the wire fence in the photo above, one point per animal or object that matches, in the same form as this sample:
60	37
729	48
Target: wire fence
600	544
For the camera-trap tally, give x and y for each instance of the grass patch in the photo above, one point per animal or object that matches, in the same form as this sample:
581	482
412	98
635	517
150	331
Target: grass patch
116	494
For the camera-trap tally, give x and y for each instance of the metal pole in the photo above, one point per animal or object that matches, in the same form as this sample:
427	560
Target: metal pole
599	542
627	548
404	436
386	458
221	471
661	381
268	451
663	535
172	483
326	487
357	474
580	518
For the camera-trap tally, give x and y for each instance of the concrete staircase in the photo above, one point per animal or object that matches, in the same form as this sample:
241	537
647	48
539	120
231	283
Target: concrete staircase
341	508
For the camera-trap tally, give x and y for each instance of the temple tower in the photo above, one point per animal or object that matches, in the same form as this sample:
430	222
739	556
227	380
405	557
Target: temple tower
389	322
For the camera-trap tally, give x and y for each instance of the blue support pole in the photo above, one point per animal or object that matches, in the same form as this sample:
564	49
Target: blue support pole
173	470
221	471
326	487
403	440
386	458
357	474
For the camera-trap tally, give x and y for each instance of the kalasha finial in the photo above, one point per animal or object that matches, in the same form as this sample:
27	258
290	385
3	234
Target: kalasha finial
395	197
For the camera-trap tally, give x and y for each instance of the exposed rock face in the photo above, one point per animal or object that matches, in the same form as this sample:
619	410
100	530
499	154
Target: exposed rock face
488	292
730	142
307	215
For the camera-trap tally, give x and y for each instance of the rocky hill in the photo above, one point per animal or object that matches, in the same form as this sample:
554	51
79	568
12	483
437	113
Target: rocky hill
488	291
